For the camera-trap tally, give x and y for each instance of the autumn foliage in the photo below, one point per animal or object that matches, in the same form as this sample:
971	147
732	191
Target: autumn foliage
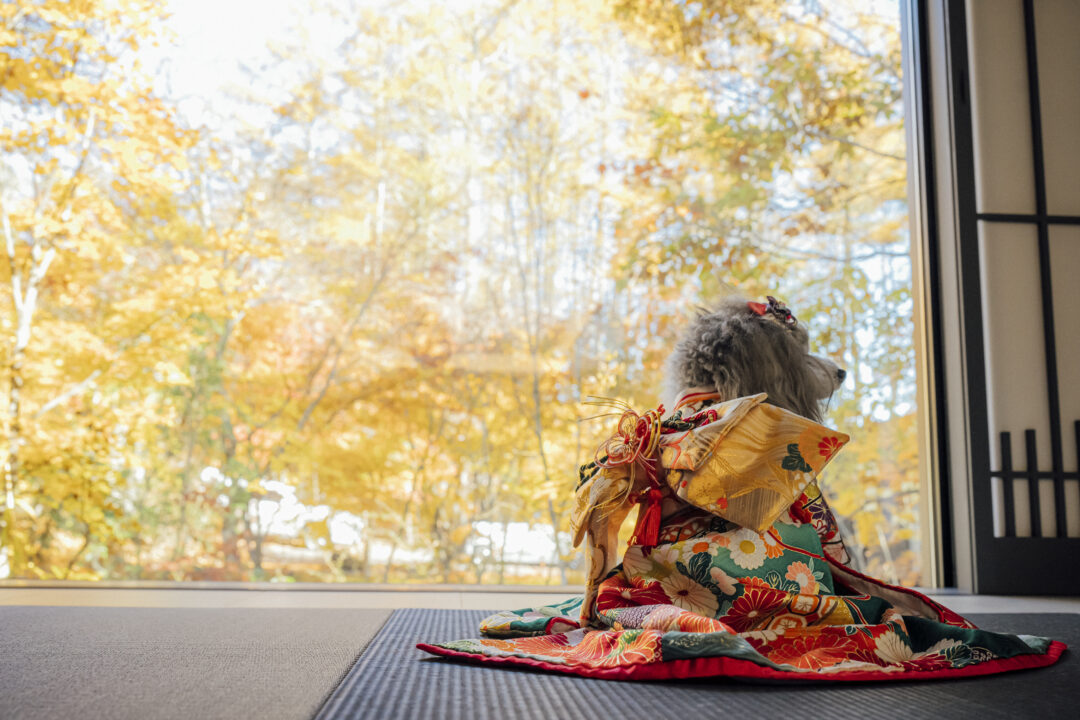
367	299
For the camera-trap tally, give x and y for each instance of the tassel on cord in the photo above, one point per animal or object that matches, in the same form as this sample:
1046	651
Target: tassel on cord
647	528
634	445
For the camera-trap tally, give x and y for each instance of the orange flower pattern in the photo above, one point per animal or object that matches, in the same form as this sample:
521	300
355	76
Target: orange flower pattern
828	446
755	607
812	652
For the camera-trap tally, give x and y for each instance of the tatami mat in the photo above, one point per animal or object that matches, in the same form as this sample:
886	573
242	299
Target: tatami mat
394	680
149	663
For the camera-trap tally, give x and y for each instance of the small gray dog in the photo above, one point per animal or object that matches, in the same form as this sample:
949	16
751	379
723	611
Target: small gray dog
744	348
740	348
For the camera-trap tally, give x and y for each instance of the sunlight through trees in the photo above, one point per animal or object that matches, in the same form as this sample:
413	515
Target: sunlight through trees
337	323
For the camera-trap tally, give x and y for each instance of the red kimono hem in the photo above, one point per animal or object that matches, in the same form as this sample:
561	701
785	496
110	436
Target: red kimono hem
720	667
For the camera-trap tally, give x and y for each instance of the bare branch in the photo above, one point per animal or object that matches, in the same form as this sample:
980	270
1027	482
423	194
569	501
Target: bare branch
71	392
84	152
848	141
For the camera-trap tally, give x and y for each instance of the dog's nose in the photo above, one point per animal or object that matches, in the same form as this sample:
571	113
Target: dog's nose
841	374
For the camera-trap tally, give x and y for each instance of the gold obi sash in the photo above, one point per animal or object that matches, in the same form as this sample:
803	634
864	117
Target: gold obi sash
750	463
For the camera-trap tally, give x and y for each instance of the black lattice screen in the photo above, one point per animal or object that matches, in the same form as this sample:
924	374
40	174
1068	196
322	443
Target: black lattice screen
1042	222
1003	562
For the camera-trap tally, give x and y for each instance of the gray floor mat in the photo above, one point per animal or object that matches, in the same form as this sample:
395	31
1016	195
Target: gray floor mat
148	663
394	680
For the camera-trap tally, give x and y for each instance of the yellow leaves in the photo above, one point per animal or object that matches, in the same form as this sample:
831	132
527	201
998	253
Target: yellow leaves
205	278
56	14
168	373
460	534
319	531
94	155
92	515
393	295
257	489
188	255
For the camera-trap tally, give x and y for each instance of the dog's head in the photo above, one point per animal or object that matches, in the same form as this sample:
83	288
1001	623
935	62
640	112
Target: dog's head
743	348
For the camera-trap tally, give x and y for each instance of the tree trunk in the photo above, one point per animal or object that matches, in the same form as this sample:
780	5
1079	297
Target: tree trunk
24	304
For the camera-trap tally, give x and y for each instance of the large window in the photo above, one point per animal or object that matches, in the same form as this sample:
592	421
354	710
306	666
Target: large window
314	292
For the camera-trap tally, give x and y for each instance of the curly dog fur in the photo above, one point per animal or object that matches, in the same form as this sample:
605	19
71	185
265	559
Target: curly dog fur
740	352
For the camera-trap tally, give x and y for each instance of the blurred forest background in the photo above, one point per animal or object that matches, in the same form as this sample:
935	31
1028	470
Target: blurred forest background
328	311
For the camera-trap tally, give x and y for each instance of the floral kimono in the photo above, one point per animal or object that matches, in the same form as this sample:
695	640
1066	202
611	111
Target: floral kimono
736	568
